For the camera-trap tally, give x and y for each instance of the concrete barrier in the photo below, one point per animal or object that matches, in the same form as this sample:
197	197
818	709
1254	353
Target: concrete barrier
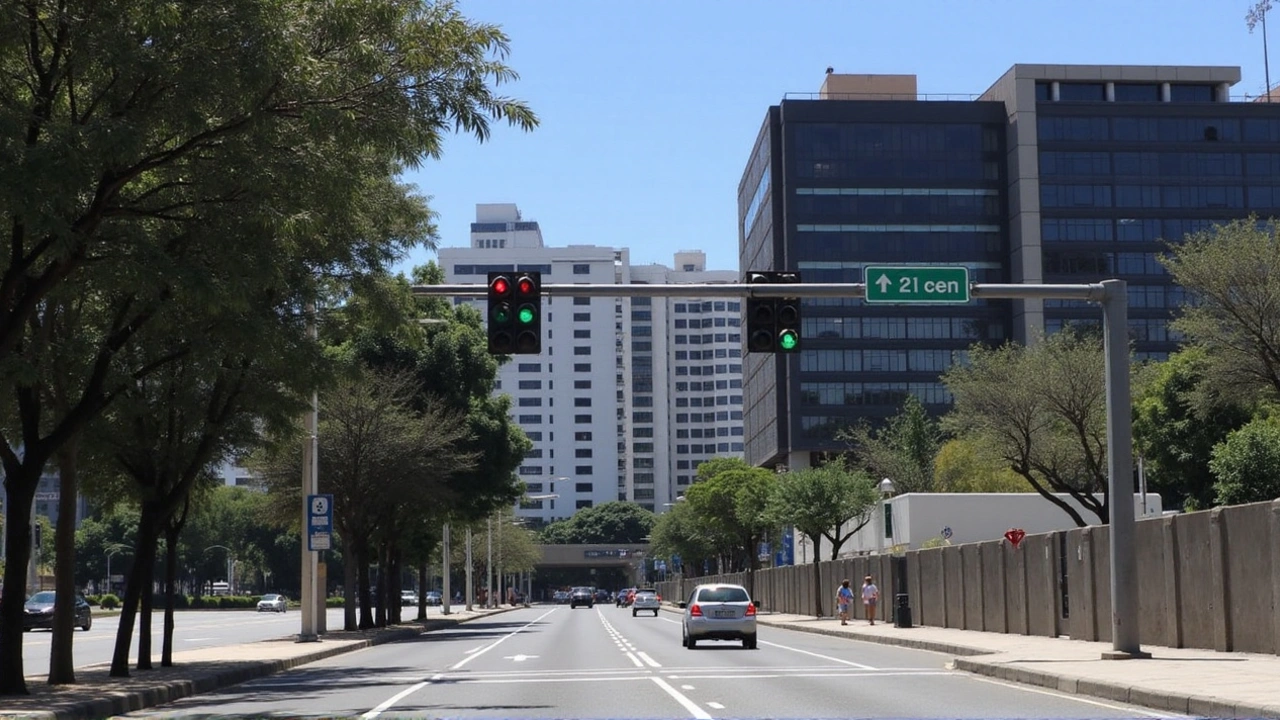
1206	580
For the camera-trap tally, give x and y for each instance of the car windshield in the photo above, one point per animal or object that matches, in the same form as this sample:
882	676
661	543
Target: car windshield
42	597
270	597
723	595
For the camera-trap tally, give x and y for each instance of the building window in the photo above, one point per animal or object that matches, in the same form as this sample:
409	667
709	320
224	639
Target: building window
582	504
582	301
581	269
582	334
530	402
530	384
583	487
530	470
582	452
529	367
529	419
582	367
641	417
642	447
582	402
581	384
582	350
1082	92
582	436
582	317
584	470
582	419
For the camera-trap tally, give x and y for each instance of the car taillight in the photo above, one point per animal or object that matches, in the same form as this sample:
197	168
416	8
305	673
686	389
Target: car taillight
659	597
695	611
751	610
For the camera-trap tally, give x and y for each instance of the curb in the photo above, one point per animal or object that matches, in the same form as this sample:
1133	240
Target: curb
1194	705
111	704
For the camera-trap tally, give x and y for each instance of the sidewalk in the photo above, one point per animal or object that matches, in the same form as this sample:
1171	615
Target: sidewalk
97	695
1203	683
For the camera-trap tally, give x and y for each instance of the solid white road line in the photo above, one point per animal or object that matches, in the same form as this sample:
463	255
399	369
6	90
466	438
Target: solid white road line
819	655
393	700
715	705
648	660
499	641
1053	693
685	702
635	659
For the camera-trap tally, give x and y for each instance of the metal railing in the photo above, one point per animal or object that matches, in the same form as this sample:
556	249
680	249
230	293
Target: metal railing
935	97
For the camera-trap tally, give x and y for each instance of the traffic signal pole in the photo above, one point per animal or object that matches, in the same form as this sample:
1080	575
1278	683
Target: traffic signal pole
1111	294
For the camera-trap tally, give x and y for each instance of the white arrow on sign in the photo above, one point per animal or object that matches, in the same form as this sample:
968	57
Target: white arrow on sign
519	658
884	282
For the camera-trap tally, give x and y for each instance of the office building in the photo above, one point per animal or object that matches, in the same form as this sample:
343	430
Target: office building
1058	174
612	416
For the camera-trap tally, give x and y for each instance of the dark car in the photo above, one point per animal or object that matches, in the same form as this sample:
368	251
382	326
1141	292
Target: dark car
582	596
38	612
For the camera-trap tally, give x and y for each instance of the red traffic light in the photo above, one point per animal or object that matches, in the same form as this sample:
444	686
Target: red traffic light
526	286
501	286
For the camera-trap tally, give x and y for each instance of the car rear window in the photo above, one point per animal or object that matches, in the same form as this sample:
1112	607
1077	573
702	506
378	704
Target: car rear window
645	595
723	595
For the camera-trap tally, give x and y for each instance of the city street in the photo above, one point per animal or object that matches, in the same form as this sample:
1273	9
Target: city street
193	629
550	661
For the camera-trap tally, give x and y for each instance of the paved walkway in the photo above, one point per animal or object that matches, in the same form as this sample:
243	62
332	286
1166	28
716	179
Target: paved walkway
98	695
1194	682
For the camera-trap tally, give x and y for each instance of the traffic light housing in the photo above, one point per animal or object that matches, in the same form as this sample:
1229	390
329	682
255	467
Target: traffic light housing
773	324
515	313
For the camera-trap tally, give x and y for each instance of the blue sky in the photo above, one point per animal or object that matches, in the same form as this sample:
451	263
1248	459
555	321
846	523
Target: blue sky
649	109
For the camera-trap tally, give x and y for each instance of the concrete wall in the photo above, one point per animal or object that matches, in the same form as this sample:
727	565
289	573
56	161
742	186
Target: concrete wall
1205	580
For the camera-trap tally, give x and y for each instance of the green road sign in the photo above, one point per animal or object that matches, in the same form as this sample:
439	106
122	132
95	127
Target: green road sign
924	285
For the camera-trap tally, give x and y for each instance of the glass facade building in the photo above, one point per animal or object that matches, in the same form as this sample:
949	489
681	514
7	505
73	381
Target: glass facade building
1056	174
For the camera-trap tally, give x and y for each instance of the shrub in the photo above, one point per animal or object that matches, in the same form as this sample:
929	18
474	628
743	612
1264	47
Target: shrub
334	602
109	602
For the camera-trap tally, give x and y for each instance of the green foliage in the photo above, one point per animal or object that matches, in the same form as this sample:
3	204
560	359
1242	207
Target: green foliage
1247	464
109	601
731	501
334	602
681	532
903	450
935	542
611	522
1042	411
822	501
1179	417
963	466
1233	274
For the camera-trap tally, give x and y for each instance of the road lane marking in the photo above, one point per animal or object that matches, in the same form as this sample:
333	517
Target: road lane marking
473	650
831	673
634	659
198	639
499	641
686	687
715	705
394	699
648	660
519	658
685	702
819	655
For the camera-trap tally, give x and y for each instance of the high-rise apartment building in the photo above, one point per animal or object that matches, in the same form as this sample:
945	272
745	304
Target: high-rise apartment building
686	381
1061	174
609	404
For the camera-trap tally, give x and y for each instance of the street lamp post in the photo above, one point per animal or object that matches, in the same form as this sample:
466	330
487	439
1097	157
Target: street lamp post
471	588
114	550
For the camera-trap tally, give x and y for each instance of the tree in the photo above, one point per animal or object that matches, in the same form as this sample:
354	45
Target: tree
683	533
1232	272
611	522
1179	417
963	466
1247	464
1041	410
731	498
904	449
819	502
132	156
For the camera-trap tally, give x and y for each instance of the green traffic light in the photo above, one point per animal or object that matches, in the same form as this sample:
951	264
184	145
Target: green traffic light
787	340
526	315
500	315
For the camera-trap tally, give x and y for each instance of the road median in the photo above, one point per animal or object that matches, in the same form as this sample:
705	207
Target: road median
96	694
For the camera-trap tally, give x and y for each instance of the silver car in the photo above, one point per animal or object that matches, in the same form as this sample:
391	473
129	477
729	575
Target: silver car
719	612
273	603
646	600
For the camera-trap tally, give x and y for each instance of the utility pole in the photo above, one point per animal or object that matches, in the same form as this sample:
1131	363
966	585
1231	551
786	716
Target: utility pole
471	588
310	486
1256	16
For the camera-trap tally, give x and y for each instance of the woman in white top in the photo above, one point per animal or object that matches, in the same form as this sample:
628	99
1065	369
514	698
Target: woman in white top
870	595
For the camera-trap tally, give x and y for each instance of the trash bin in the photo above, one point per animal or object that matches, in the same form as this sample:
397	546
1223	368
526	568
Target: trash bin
901	611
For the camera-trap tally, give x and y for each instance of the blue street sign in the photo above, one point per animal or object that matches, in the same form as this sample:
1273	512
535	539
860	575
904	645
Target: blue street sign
319	522
946	533
786	554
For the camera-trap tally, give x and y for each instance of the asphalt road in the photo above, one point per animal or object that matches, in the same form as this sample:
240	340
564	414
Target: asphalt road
192	629
553	662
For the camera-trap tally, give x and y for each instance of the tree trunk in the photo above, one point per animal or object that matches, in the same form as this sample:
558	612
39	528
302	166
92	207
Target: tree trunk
380	607
817	580
20	482
366	597
422	592
393	578
61	658
144	557
349	592
144	620
172	531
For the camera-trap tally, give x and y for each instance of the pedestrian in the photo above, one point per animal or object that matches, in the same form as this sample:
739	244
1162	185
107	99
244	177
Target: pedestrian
844	596
870	596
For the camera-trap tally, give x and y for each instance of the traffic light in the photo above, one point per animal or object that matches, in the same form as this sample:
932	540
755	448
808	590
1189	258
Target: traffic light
515	313
773	324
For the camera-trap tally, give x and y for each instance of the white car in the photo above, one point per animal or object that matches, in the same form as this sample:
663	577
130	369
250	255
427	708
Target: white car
719	612
646	600
273	603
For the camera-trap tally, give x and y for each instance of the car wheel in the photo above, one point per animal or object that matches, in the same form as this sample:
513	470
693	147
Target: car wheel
749	642
633	612
88	623
655	613
690	643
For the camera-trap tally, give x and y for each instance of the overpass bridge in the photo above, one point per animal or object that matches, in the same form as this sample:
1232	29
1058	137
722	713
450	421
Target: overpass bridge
610	566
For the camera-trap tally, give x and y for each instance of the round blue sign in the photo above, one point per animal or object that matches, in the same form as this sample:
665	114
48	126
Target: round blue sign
946	533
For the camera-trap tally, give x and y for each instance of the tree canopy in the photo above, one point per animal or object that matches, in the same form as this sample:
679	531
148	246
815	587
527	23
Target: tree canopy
611	522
